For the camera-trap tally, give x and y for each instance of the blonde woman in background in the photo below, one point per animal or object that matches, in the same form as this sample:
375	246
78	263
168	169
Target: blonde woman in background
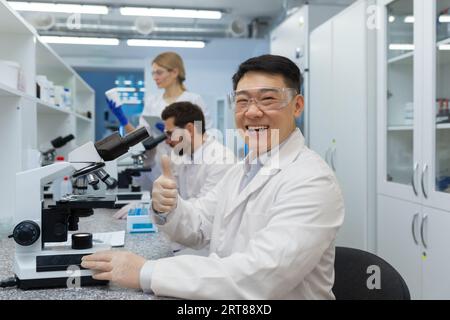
169	74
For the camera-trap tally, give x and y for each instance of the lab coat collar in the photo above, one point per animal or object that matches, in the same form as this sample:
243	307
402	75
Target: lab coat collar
272	163
280	156
197	156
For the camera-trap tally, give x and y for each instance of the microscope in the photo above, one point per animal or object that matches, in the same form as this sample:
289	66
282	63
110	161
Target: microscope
48	156
132	166
37	265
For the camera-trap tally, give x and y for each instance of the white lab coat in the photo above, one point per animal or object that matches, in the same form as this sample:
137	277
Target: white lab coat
154	106
198	175
273	240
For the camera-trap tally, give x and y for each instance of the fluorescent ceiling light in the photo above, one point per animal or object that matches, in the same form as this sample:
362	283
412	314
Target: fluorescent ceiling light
391	19
410	19
444	47
445	18
54	7
404	47
165	43
170	13
81	40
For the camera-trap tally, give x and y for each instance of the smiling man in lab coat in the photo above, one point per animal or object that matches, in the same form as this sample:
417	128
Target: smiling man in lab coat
271	221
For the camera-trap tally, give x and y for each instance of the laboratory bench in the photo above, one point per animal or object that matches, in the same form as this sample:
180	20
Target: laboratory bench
148	245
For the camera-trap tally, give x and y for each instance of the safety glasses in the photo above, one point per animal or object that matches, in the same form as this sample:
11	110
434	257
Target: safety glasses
266	99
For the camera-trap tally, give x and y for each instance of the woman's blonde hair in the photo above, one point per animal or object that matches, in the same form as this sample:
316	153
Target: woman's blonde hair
171	60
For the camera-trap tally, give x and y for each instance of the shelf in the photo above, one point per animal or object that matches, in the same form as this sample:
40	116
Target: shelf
83	118
46	108
406	58
400	128
6	91
410	128
446	41
443	126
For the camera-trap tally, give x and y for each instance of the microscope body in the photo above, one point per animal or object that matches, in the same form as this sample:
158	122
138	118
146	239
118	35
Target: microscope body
37	265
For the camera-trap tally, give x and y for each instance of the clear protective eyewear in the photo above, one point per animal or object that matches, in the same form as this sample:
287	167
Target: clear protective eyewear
266	99
160	72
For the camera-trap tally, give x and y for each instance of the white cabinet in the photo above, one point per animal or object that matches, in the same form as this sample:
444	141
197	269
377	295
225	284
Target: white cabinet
436	258
291	39
414	239
342	115
321	120
399	241
414	140
26	122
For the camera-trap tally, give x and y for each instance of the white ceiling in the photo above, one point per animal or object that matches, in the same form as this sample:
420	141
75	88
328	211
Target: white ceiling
245	8
270	12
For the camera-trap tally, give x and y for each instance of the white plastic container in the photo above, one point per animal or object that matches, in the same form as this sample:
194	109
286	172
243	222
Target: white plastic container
59	96
9	73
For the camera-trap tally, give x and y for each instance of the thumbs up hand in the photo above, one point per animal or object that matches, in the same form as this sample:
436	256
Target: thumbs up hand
165	193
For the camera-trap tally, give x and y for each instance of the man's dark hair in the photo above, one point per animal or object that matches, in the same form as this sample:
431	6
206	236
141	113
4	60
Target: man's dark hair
274	65
183	113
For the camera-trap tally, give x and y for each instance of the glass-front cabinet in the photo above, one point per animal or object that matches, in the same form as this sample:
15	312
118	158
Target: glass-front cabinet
413	206
436	147
400	91
399	104
414	101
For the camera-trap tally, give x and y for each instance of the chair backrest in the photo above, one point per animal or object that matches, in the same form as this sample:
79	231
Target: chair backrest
356	277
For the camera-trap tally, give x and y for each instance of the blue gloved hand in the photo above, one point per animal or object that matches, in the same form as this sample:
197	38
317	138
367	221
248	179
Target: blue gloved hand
116	109
160	126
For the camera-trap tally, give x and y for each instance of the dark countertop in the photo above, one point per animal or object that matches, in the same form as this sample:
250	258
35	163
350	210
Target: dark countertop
148	245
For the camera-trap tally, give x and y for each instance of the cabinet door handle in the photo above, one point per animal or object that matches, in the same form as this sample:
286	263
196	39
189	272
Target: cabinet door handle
425	168
422	226
413	228
333	152
326	156
413	179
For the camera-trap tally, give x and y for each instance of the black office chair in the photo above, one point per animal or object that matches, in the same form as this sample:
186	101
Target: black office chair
351	277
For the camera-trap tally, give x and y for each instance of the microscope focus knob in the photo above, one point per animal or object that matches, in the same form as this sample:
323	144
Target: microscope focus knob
26	233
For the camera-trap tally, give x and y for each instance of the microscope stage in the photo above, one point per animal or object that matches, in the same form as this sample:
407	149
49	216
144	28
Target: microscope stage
88	201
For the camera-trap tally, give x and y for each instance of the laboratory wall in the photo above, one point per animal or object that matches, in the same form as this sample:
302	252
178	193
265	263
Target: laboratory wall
102	80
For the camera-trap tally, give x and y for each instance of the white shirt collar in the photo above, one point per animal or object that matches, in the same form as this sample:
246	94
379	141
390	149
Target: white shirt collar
264	158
